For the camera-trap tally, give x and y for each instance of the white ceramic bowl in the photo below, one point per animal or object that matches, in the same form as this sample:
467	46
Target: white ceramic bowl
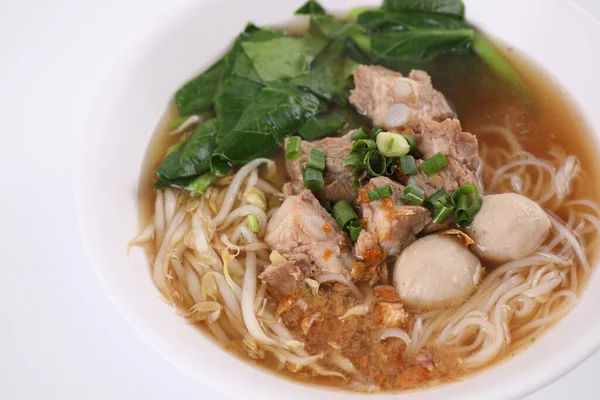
555	34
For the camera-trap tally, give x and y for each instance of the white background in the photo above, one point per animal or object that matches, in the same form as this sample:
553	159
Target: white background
60	337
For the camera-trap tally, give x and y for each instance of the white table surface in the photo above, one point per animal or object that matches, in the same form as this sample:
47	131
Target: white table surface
60	337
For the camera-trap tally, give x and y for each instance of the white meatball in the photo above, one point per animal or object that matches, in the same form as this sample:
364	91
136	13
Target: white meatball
508	227
436	271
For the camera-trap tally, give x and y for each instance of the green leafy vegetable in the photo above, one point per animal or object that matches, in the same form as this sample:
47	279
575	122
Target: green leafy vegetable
450	7
314	41
199	93
274	59
237	63
257	124
236	95
322	125
192	157
327	75
403	41
311	7
497	62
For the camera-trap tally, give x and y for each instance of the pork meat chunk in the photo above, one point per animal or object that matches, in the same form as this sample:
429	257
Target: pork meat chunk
338	181
309	240
391	224
460	148
393	101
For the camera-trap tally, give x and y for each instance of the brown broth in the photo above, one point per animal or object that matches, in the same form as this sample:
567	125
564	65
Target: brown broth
480	98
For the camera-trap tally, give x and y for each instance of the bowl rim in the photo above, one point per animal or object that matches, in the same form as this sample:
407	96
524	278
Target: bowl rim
144	39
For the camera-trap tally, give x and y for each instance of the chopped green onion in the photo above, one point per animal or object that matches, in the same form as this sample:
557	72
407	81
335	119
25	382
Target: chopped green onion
253	223
413	195
442	213
354	227
292	149
391	167
379	193
375	163
201	183
392	144
343	213
468	203
316	159
412	141
359	134
466	208
313	179
437	200
375	131
434	163
468	189
475	205
364	145
460	212
327	206
408	165
353	160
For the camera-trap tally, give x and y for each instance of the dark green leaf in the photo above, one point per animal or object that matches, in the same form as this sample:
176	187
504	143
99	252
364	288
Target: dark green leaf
450	7
278	110
497	62
235	96
199	93
327	75
404	41
314	41
311	7
237	62
192	157
321	125
274	59
336	28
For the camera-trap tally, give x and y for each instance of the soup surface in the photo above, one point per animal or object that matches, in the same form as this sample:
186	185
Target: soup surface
376	341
